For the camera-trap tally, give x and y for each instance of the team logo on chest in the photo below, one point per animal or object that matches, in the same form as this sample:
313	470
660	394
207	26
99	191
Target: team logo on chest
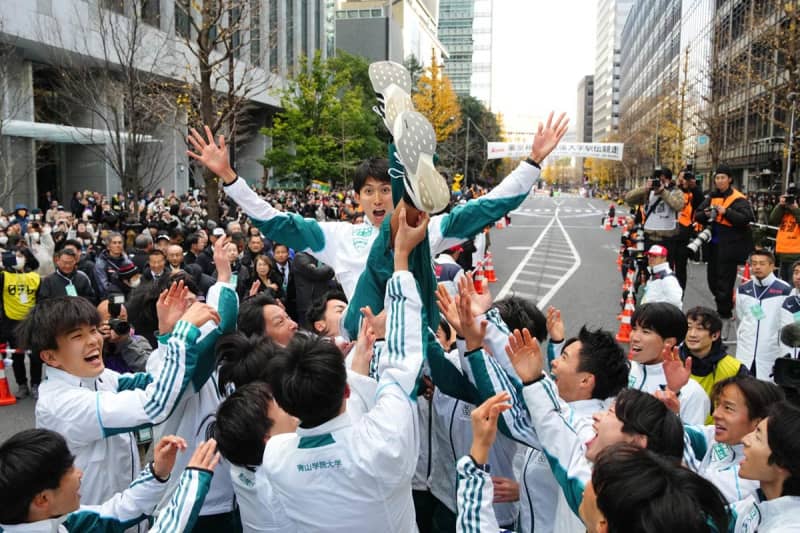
361	236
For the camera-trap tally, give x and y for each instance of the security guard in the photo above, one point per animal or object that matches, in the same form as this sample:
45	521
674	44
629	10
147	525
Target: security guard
786	216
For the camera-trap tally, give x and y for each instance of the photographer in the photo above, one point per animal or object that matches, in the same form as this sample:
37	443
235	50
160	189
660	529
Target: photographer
122	350
728	214
786	216
663	201
693	197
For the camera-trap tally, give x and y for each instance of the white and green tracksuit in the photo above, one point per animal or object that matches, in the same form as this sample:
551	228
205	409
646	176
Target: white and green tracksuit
346	247
97	416
717	462
695	403
197	408
356	475
259	508
130	507
475	494
755	513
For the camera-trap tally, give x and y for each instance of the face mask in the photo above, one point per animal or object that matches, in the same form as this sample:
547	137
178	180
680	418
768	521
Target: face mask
20	263
135	282
87	242
3	240
35	237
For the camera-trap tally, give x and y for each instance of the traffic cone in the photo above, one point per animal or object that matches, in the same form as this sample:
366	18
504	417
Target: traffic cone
6	398
490	276
501	223
608	224
746	273
624	333
619	261
479	278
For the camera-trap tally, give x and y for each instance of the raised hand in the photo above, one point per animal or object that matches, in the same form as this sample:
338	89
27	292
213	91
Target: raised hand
484	425
254	288
448	308
205	457
525	354
164	455
472	332
555	326
170	306
676	372
548	136
669	399
481	301
214	157
221	259
362	354
409	236
200	313
377	323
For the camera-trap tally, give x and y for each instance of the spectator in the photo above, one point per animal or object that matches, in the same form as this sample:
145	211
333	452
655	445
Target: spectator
662	286
123	350
67	280
786	216
111	262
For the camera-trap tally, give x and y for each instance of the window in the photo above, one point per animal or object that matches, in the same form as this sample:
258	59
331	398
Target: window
151	12
235	24
273	35
290	36
183	26
255	32
117	6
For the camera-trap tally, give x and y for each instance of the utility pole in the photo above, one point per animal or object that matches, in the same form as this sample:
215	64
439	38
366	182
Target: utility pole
466	155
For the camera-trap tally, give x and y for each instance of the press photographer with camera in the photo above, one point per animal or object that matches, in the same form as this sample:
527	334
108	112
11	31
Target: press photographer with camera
786	216
663	201
726	215
123	351
693	197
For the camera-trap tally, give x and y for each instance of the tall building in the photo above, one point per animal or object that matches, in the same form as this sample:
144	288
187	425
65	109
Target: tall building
482	33
389	29
585	115
611	15
456	18
280	33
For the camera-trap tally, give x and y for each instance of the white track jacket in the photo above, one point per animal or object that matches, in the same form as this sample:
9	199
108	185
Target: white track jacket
758	308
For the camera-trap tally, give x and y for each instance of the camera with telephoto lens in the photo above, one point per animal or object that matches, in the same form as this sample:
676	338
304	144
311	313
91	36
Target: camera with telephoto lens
655	182
791	195
117	325
702	237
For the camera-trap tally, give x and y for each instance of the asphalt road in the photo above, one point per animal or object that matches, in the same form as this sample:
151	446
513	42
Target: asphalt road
555	251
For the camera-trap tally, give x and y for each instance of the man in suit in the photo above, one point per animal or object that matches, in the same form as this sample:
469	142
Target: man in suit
282	275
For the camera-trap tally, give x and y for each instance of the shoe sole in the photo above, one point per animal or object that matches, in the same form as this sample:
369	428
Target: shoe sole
416	144
382	74
396	102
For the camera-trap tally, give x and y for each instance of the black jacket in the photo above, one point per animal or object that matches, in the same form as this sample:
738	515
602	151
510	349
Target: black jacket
734	242
55	285
312	279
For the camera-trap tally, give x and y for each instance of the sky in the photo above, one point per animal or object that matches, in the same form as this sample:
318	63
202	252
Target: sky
541	50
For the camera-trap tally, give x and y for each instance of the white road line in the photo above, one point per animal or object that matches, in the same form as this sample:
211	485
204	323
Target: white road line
560	283
514	275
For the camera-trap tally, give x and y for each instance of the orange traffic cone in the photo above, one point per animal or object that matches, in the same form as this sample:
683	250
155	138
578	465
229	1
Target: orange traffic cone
619	261
490	277
479	278
624	333
608	224
6	398
746	273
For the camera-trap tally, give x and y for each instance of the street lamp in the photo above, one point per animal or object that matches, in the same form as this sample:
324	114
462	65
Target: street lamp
466	149
792	97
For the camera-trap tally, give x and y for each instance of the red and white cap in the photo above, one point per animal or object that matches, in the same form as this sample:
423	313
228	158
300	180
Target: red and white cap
657	250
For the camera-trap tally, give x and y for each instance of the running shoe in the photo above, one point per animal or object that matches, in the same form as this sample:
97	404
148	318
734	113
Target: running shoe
415	141
392	85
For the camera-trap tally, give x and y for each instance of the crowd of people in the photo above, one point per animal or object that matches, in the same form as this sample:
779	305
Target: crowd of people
307	373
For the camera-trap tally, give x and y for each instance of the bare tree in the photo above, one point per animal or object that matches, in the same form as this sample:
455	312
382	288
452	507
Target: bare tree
222	45
108	79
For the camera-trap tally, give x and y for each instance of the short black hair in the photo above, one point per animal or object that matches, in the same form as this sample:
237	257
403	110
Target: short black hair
156	251
318	306
662	171
242	423
242	360
251	314
783	437
279	244
639	491
375	167
663	318
68	242
31	461
142	303
520	313
707	317
758	394
308	379
52	318
601	356
643	414
192	239
66	251
763	253
724	169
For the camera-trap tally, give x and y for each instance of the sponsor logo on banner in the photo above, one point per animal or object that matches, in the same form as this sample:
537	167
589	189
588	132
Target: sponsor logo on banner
613	151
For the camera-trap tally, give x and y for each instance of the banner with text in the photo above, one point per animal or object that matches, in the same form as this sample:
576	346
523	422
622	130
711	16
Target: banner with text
497	150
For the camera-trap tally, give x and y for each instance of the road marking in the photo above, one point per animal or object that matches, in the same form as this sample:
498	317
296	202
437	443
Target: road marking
560	283
521	265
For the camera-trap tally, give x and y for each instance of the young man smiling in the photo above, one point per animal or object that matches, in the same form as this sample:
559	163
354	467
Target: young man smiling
657	329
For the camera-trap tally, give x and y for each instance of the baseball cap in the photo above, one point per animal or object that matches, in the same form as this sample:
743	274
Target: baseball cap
218	232
657	250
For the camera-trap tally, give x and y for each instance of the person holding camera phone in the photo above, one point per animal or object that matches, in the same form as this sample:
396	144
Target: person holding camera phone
786	216
728	214
663	201
123	351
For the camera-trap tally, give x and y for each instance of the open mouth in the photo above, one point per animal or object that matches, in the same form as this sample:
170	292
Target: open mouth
590	441
93	358
379	213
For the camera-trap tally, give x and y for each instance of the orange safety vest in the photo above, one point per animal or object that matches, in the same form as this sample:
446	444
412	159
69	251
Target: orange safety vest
726	203
788	238
685	216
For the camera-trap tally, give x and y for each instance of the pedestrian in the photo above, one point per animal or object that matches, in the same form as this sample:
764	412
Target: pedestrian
663	285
